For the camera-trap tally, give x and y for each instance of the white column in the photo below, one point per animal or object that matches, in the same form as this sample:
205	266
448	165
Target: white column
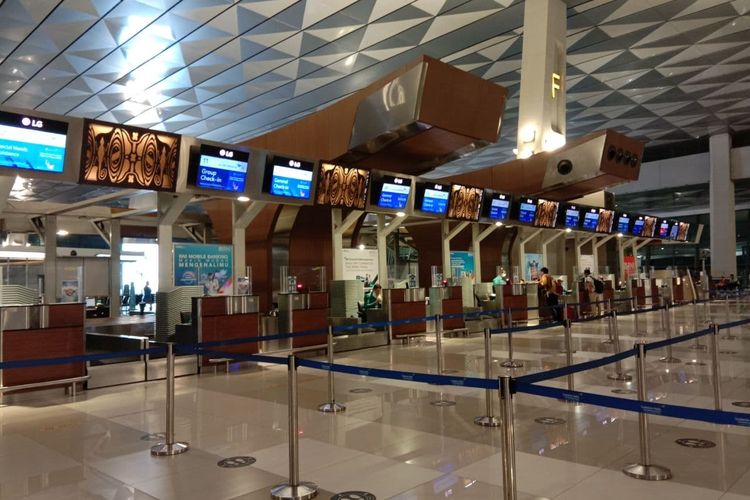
722	209
170	208
115	268
338	228
385	229
50	259
477	236
541	114
448	234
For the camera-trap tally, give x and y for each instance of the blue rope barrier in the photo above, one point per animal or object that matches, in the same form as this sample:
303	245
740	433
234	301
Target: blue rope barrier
81	358
478	383
659	344
733	324
664	410
579	367
591	318
250	340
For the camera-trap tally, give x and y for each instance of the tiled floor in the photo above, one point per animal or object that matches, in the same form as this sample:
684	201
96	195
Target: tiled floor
391	441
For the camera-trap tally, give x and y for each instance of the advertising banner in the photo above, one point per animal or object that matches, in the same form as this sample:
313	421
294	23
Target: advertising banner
462	264
532	265
629	266
204	264
359	264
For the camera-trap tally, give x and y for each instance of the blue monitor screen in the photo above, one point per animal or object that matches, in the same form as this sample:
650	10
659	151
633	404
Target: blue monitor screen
395	192
289	177
623	223
590	220
664	230
221	169
499	207
638	226
435	200
527	211
572	216
32	143
674	230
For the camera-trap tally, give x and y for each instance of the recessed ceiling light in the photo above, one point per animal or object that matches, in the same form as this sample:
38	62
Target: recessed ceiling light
62	232
243	199
401	214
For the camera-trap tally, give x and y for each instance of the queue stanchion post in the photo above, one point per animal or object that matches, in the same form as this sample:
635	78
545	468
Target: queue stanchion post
487	420
331	406
729	335
667	319
294	489
618	373
697	345
510	362
169	447
567	332
610	337
644	469
716	367
440	368
569	352
508	439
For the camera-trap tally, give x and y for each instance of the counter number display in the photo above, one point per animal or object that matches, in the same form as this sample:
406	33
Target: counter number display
591	219
496	206
30	143
623	223
432	198
664	229
638	226
391	192
288	177
572	217
219	168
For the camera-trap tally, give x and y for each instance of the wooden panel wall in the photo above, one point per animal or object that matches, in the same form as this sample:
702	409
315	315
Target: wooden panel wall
310	239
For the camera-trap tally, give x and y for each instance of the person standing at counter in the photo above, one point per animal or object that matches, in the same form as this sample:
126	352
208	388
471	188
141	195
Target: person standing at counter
373	300
547	284
594	290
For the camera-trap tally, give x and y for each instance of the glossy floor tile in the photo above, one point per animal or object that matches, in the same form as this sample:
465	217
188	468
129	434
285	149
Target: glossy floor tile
392	440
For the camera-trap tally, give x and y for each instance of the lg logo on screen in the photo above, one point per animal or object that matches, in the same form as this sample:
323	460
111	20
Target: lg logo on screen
30	122
226	154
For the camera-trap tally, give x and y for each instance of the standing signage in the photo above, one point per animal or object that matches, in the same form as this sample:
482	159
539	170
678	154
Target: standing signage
204	264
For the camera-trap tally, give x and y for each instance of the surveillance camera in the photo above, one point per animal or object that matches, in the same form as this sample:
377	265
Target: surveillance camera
564	167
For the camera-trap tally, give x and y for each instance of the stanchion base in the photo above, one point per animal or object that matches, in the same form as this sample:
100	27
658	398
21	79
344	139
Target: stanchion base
698	347
623	377
608	341
487	421
302	491
167	450
647	472
566	352
332	408
512	363
670	359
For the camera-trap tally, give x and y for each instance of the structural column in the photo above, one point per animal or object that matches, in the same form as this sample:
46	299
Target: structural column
115	268
50	259
170	208
722	209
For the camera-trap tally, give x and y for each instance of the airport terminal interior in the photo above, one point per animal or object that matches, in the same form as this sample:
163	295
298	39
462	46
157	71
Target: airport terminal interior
372	249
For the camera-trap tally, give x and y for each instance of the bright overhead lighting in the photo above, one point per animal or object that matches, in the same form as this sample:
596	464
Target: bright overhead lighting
10	254
498	224
619	235
62	232
361	246
568	230
243	199
401	214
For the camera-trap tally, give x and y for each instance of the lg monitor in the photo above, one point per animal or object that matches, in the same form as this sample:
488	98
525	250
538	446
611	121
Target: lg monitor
496	206
572	217
664	229
391	191
623	223
526	210
288	177
637	229
673	230
590	219
218	168
432	198
30	143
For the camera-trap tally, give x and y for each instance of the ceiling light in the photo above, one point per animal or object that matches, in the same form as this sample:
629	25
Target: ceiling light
619	235
10	254
568	230
361	246
498	224
401	214
243	199
62	232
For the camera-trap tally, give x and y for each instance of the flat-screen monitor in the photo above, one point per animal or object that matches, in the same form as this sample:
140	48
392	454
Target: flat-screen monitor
432	198
605	221
649	226
496	206
623	223
590	219
30	143
288	177
664	230
572	217
637	229
682	233
464	202
546	213
526	210
218	168
673	230
342	186
391	191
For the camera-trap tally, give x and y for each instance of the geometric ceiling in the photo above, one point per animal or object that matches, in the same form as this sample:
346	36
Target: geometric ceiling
227	70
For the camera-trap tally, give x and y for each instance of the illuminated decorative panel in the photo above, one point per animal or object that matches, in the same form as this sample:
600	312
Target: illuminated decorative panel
129	157
464	202
342	187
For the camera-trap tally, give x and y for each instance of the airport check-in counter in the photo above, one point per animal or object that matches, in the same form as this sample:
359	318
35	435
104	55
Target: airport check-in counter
638	290
301	312
448	300
655	291
513	297
225	318
678	290
37	332
405	303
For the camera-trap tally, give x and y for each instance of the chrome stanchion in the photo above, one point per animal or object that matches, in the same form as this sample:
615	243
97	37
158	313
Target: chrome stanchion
610	338
697	346
667	320
569	352
716	367
636	327
618	374
645	469
295	489
510	362
488	420
508	456
170	447
729	335
331	406
439	342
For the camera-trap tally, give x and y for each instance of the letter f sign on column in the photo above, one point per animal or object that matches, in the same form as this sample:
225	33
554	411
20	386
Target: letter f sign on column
555	84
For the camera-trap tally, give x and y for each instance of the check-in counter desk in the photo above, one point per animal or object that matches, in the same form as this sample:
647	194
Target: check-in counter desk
406	303
448	300
638	290
514	297
42	331
655	291
225	318
301	312
678	290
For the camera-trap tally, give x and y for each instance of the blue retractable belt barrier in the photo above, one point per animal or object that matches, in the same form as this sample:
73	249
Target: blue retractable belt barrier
579	367
591	318
478	383
676	340
249	340
260	358
734	324
684	412
81	358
